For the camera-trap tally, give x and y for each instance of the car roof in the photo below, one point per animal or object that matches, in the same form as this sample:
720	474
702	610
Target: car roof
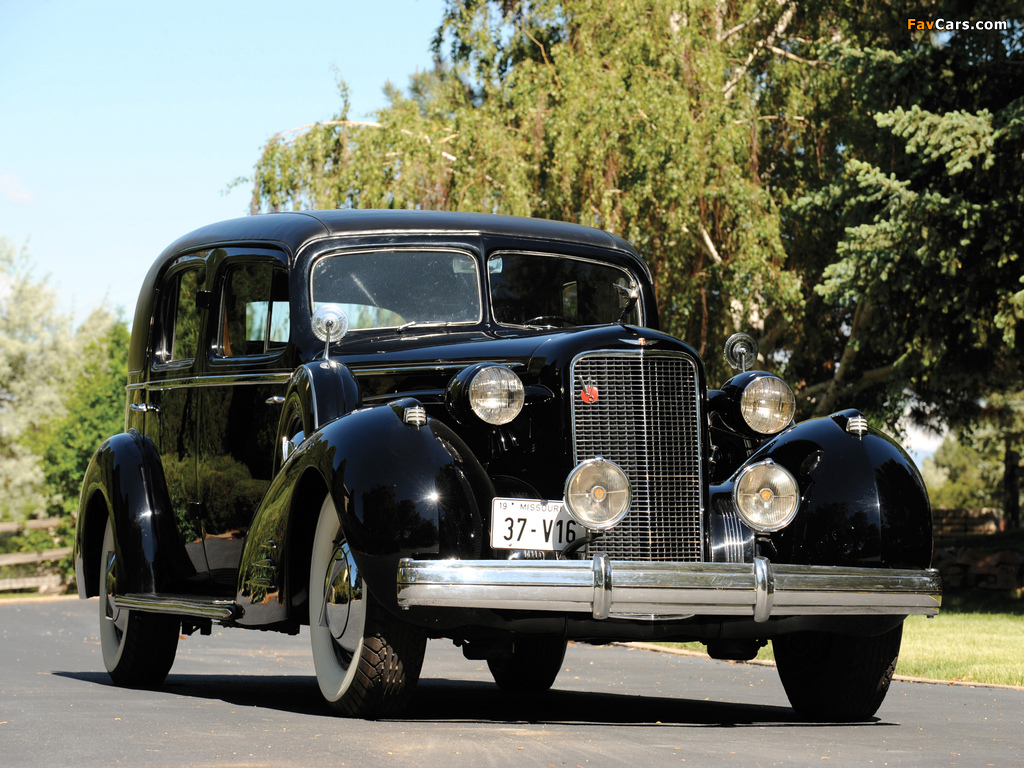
294	229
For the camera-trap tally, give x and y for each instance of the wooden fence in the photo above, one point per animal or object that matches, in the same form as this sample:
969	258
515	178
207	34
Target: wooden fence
47	581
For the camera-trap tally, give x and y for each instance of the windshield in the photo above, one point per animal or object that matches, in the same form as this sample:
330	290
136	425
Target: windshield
542	290
391	288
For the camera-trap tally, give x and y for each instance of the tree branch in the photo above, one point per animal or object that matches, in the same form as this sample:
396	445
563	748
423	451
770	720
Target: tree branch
809	395
306	128
794	57
705	241
777	30
861	319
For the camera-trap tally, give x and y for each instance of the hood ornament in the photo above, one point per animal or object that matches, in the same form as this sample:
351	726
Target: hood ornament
641	342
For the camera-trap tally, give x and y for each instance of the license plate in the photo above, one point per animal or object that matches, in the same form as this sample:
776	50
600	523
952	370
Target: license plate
532	524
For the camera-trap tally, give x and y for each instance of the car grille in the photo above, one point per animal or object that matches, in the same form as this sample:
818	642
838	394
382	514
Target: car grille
645	419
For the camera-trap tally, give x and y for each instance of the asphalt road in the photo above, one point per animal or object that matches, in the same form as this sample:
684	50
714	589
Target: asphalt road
243	698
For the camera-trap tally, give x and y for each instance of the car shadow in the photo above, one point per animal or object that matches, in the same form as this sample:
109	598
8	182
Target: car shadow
444	700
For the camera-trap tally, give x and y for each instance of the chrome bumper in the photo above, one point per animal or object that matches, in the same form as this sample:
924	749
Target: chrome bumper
627	589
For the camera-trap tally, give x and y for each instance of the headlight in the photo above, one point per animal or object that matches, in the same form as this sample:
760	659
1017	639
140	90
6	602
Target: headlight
766	496
767	405
597	494
496	394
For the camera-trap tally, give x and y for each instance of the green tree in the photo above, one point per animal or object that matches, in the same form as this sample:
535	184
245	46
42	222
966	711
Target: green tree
963	474
40	356
980	466
898	173
847	187
614	115
94	404
36	341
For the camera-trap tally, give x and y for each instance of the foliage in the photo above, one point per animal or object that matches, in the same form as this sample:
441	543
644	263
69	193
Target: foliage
980	465
963	475
41	355
35	343
847	187
612	115
94	406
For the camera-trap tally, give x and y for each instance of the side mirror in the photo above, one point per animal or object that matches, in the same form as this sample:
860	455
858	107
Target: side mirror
330	324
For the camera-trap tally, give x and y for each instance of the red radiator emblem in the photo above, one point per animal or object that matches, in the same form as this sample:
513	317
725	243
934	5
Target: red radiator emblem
589	394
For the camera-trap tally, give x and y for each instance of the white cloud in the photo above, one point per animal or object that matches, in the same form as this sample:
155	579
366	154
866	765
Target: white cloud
12	189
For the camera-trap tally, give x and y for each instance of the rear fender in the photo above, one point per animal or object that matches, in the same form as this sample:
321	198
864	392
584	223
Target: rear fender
124	483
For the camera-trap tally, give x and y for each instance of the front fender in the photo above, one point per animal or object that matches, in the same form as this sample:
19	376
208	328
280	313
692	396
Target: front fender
124	483
400	489
863	501
317	394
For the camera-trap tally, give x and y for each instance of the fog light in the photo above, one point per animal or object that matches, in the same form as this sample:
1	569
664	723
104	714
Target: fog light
766	496
767	405
597	494
496	394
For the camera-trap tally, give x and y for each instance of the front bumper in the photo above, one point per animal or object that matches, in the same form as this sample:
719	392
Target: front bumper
632	590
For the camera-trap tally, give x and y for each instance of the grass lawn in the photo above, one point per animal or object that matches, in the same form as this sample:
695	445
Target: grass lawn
977	637
972	647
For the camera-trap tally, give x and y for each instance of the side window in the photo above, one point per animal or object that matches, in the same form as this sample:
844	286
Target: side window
254	314
179	317
186	318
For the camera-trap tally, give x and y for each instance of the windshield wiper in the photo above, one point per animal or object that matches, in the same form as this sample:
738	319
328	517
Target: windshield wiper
423	324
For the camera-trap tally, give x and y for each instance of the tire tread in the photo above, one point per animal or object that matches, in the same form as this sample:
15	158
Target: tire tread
837	678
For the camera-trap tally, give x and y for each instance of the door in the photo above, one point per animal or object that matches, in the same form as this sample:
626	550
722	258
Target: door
171	404
240	403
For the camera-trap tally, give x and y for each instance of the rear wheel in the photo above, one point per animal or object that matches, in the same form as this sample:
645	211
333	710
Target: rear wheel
138	648
533	665
367	661
836	678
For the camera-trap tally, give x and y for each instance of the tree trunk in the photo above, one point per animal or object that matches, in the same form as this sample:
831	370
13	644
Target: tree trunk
1011	486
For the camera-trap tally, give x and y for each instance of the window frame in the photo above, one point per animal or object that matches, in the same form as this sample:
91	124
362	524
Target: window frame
165	316
230	259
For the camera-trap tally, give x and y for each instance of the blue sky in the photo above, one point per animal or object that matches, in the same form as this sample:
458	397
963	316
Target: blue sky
122	123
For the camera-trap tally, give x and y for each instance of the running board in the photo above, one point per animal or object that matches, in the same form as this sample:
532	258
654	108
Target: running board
183	605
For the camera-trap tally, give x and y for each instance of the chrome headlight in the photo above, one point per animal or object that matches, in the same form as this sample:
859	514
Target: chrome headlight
767	405
496	394
766	496
597	494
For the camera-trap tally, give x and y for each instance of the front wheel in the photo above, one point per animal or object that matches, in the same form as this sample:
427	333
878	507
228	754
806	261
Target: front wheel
836	678
138	648
532	666
367	661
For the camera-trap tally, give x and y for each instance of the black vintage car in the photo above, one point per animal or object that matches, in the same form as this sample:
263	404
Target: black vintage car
397	425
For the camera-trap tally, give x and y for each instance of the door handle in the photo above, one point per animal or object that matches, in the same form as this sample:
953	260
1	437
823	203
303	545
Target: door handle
144	408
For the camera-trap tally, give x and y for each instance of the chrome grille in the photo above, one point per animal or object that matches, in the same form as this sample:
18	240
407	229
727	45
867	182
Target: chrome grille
645	419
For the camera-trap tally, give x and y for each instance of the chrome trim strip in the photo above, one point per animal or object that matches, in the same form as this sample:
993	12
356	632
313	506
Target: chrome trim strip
439	367
184	605
222	380
759	590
